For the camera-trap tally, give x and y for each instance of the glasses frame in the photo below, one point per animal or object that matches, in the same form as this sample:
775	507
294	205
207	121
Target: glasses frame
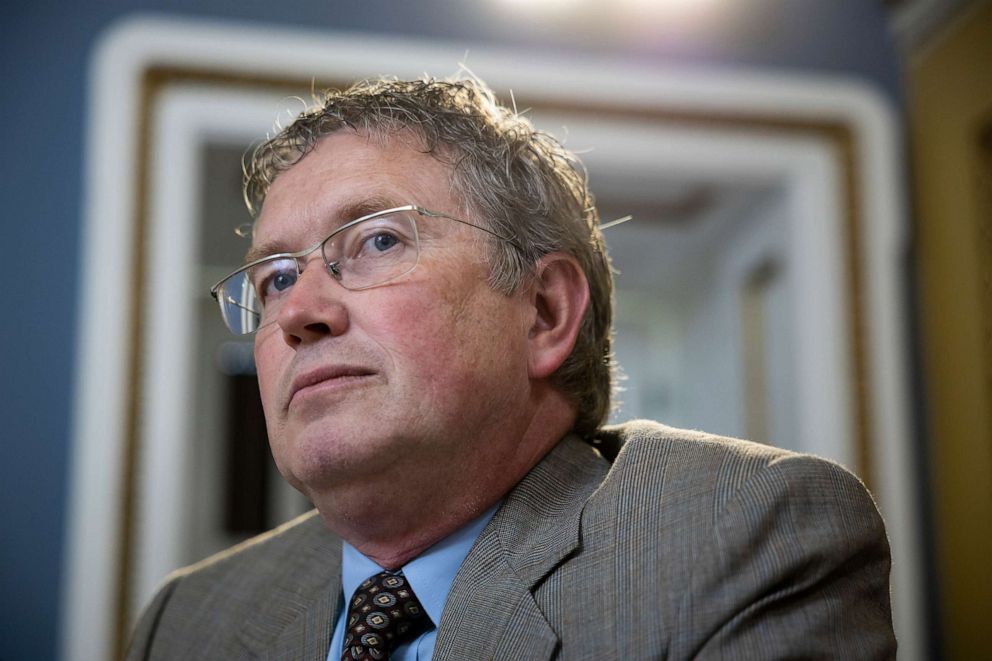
332	267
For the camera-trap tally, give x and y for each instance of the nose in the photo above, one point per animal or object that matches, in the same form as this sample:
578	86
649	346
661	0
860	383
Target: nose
312	309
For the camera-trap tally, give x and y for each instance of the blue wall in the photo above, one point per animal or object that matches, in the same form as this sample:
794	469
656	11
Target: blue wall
45	49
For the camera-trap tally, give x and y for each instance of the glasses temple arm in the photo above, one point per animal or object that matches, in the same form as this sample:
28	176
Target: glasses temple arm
228	299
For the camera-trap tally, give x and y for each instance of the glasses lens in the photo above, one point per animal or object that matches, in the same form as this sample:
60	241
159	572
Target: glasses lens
360	256
374	251
238	304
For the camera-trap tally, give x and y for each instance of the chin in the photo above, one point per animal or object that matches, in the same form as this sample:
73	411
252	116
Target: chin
320	461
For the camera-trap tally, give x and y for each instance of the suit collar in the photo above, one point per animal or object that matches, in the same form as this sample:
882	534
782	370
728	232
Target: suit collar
538	525
491	611
295	617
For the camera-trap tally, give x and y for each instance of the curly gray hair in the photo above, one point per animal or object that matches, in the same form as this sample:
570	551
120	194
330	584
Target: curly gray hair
522	181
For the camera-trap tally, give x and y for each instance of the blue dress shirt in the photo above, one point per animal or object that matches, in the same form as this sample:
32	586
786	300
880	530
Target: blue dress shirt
430	575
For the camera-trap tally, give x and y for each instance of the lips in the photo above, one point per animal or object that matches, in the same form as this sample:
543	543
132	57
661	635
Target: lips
335	374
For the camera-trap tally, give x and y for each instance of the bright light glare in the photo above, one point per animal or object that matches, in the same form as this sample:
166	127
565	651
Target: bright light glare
667	8
667	5
652	17
541	5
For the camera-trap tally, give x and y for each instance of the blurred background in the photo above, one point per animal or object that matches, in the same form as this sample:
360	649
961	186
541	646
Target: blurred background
809	264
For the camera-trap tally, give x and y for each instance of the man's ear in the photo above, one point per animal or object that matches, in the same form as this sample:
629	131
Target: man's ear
560	296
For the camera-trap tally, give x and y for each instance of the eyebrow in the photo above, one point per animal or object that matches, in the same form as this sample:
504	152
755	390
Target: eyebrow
347	212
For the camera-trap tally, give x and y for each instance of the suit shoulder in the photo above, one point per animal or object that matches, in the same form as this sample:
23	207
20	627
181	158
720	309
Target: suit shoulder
268	549
687	465
644	444
250	568
199	608
758	551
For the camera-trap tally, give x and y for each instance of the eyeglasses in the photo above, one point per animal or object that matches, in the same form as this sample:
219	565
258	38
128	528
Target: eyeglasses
363	253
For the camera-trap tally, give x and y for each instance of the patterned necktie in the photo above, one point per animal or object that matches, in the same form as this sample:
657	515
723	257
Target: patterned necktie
383	613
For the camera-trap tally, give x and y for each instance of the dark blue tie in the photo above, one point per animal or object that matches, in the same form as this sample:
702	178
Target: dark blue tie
383	614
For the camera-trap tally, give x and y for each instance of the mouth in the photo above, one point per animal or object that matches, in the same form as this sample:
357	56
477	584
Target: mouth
327	379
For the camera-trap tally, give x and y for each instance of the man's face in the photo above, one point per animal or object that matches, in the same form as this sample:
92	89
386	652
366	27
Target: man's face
419	374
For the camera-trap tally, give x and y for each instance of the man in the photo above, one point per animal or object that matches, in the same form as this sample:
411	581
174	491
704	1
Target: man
430	297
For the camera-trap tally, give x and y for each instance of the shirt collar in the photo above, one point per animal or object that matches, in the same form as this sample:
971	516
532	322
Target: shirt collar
430	574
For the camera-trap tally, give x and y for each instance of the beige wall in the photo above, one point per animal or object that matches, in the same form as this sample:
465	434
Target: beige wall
950	85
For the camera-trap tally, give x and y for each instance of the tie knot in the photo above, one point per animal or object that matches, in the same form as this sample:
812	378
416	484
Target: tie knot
382	614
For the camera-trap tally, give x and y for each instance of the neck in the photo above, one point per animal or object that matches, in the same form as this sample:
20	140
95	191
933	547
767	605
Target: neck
399	516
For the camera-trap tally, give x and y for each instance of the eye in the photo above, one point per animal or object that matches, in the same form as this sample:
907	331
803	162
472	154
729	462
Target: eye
281	281
382	241
375	242
272	279
386	238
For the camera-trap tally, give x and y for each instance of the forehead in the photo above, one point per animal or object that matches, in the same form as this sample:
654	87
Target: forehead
348	175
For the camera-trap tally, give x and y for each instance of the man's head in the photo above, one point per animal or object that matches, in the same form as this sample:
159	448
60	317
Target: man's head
520	182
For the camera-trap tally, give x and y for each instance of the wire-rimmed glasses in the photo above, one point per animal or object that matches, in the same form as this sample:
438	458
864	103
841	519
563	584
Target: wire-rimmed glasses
366	252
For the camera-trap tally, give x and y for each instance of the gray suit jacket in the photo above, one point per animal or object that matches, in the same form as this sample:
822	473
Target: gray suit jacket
686	546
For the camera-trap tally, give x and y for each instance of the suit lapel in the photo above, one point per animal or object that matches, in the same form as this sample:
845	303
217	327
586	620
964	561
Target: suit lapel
491	612
295	618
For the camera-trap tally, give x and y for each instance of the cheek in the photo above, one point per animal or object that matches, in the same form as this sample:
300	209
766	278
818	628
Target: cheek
416	333
267	361
452	342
